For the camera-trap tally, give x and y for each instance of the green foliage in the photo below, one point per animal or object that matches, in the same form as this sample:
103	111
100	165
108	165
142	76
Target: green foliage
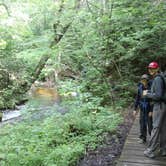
58	139
140	31
8	100
25	36
101	45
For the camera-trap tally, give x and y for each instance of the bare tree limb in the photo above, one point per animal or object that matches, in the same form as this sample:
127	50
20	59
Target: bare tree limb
157	2
112	6
6	8
55	26
117	68
87	3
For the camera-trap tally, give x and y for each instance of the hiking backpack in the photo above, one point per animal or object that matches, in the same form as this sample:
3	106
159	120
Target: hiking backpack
163	77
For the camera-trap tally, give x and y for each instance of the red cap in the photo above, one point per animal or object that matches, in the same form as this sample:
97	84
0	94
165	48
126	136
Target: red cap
153	65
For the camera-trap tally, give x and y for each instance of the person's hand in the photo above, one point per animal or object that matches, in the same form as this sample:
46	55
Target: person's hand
145	92
134	113
150	114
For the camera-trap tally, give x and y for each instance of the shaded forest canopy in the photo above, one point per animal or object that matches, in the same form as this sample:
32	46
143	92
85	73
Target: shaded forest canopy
104	45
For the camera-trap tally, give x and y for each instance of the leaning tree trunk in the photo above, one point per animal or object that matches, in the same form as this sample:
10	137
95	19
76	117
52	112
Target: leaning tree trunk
57	39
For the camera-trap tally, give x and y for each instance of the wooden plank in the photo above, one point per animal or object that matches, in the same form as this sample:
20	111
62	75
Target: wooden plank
134	145
136	164
135	131
133	142
143	160
133	139
135	128
135	134
136	148
132	153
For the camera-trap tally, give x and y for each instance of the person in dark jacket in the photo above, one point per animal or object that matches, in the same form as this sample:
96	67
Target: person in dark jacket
157	141
145	108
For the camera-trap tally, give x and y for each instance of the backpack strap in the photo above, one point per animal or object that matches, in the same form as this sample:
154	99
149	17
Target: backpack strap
164	84
163	79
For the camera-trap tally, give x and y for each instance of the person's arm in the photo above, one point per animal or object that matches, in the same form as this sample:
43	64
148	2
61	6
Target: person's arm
137	100
136	103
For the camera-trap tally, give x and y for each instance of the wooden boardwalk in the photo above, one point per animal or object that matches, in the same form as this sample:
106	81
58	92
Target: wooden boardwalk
132	154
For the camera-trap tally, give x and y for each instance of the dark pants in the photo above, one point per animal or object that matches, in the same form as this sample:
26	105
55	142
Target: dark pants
145	121
158	136
150	125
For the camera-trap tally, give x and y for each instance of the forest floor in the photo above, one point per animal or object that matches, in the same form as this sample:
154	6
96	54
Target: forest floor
108	153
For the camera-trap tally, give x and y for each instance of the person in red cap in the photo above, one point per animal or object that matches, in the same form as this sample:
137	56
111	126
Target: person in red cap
158	135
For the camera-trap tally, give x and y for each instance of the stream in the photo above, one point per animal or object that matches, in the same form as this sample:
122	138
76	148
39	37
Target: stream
11	114
43	109
47	102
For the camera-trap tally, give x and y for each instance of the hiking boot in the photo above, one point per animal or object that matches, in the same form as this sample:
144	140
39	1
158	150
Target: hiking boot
147	150
149	154
162	153
142	141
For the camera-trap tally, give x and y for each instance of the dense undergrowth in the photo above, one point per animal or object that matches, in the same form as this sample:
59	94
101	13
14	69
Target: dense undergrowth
48	137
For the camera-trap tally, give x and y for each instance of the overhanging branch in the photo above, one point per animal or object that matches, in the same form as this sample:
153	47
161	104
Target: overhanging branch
6	8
